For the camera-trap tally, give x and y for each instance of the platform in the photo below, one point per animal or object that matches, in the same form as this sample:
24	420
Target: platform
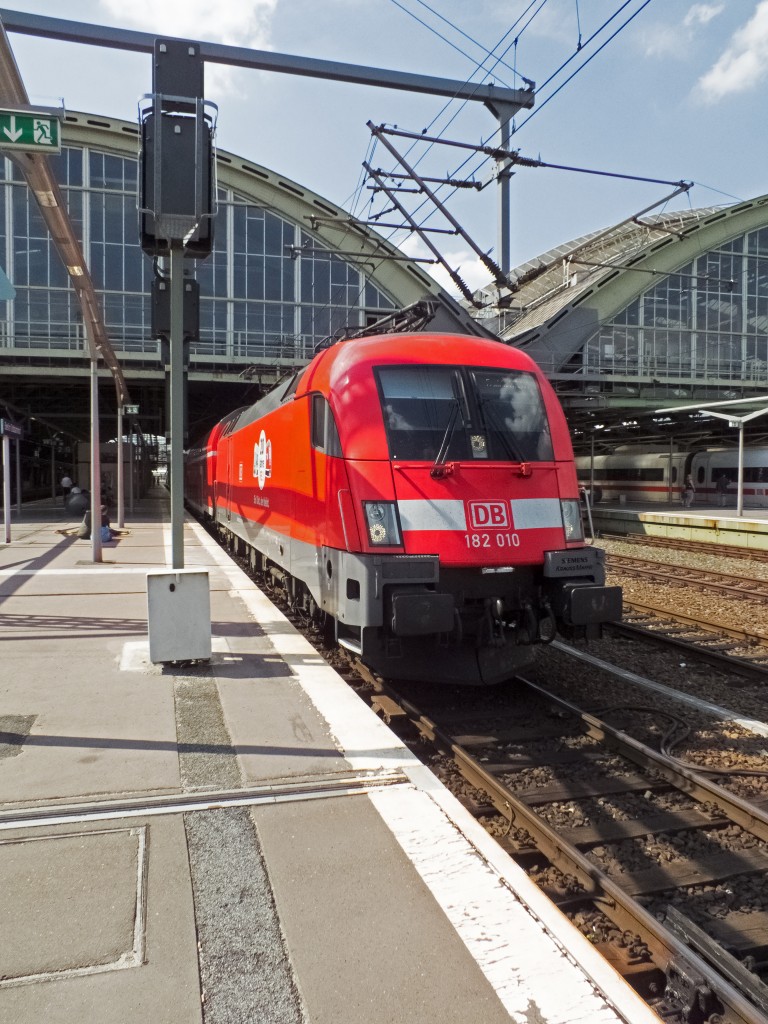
707	523
242	840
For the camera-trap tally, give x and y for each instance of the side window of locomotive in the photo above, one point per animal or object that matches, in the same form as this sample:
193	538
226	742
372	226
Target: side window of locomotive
513	415
317	424
324	434
423	410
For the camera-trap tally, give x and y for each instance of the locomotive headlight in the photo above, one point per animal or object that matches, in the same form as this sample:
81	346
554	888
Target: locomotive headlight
574	530
381	519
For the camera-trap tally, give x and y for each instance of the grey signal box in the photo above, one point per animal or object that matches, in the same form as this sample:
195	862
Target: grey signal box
176	174
161	309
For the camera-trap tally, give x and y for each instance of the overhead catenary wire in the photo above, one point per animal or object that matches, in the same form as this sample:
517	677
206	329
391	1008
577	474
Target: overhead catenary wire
586	62
471	39
477	67
480	64
548	80
487	75
593	36
532	10
358	190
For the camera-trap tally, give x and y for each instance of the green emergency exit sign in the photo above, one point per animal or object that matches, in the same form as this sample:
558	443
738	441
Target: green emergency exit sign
32	132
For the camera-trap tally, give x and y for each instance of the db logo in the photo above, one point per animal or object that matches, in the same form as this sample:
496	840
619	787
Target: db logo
485	515
262	459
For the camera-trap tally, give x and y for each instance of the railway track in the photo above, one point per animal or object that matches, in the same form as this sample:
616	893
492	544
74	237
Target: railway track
746	589
690	642
615	833
662	618
676	616
679	544
576	801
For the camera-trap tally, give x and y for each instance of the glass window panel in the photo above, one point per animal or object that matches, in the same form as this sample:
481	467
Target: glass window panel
288	268
74	203
74	166
59	166
338	272
204	275
240	280
239	233
757	241
97	216
376	299
273	236
113	218
58	276
15	173
114	171
306	280
319	277
113	267
96	169
272	278
134	268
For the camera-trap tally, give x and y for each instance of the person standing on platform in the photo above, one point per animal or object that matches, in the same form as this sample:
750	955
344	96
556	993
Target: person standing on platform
66	486
688	491
721	485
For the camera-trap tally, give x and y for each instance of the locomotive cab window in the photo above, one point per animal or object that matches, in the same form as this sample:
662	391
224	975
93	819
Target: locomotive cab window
512	410
459	413
323	433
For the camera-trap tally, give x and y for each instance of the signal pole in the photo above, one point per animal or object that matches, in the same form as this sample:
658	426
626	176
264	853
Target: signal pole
176	216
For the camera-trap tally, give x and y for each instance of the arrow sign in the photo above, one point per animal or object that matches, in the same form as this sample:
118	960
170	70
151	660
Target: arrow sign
13	133
32	132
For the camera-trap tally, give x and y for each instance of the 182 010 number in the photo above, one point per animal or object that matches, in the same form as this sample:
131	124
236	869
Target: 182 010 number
488	540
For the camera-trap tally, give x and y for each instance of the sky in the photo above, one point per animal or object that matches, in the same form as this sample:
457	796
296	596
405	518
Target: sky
677	94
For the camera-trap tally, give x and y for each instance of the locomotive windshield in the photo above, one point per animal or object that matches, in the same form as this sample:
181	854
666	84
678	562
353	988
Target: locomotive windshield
456	413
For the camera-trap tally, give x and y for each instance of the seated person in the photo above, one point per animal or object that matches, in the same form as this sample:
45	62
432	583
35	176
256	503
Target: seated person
84	529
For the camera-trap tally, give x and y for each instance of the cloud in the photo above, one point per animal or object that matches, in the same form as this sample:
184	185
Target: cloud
744	63
661	41
669	40
702	14
237	22
234	22
469	267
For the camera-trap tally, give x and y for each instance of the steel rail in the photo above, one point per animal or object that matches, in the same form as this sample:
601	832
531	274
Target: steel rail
681	575
679	544
668	950
719	659
704	624
309	788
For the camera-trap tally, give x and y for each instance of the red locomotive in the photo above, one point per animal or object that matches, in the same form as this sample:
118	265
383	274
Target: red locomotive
417	491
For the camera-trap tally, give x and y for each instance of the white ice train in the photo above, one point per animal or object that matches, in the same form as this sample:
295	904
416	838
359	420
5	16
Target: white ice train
657	475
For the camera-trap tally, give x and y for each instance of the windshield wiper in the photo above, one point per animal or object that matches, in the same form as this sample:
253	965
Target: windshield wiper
438	466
